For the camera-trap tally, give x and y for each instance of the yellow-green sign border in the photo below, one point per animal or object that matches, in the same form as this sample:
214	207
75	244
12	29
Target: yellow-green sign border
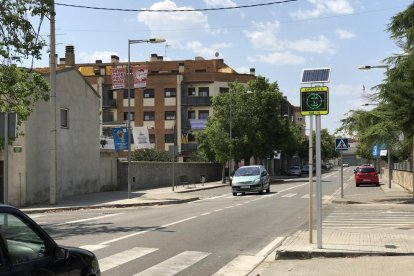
315	89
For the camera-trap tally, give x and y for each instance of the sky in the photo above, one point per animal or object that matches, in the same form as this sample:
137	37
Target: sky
278	40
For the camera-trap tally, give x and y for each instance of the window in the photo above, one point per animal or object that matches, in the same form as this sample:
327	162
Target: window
23	244
152	138
191	114
149	93
191	137
132	117
126	93
223	90
203	114
191	91
169	93
169	115
64	118
169	138
149	116
203	91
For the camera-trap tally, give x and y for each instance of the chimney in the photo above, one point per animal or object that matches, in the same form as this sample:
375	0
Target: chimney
62	61
181	67
161	58
70	55
154	57
252	71
114	59
98	61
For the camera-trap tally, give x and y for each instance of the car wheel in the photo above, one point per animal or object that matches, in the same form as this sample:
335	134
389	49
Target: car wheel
234	194
357	185
261	192
378	184
268	190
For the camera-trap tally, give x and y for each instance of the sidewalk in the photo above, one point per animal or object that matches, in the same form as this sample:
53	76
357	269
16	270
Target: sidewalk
296	256
119	199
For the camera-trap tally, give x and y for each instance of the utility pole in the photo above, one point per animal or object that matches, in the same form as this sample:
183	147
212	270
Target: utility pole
53	130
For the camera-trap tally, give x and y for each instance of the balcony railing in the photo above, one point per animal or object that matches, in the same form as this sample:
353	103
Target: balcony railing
109	103
189	147
196	100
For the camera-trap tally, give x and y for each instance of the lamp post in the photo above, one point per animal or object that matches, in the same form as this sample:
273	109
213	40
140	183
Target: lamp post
133	41
368	67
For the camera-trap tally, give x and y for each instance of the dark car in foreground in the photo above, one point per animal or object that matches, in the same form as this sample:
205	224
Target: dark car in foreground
366	175
26	249
250	179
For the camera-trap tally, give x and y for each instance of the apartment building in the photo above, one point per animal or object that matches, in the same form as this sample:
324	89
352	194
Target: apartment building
175	103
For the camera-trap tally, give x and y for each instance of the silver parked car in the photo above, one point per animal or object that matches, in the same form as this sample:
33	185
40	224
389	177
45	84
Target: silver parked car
250	179
294	170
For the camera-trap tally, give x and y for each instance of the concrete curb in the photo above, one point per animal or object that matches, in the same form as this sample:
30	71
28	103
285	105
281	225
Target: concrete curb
101	206
302	255
202	188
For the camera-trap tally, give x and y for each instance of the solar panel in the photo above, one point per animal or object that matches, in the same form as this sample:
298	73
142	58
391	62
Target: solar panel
316	75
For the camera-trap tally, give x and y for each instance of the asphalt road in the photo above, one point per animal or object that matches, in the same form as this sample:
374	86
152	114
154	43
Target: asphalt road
217	235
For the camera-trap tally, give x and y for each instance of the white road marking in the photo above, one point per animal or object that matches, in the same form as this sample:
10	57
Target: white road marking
269	247
307	196
89	219
93	247
205	214
289	195
123	257
175	264
33	216
218	210
241	265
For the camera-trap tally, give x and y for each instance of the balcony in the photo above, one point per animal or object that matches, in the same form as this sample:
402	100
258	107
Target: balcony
188	147
109	103
196	101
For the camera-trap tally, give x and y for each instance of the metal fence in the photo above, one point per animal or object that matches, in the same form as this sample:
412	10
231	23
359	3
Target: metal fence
403	166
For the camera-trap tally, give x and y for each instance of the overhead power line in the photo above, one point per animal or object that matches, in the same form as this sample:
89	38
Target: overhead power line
177	10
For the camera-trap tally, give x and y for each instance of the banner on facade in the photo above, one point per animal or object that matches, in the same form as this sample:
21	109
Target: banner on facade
139	74
141	137
120	138
118	76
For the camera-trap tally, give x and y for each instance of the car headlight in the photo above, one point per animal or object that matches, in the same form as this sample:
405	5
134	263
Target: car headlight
256	181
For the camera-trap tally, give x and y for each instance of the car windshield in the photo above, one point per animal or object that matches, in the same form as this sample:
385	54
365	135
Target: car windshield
366	170
247	171
294	168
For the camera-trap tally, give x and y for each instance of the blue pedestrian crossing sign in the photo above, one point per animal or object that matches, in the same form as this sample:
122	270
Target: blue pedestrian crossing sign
341	144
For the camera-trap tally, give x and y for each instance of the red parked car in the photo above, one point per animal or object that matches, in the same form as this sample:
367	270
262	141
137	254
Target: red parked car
366	175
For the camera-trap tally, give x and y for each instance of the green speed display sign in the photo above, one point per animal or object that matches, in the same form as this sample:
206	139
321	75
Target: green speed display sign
314	100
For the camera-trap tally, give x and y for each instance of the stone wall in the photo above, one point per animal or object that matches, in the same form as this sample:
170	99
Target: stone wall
402	178
149	175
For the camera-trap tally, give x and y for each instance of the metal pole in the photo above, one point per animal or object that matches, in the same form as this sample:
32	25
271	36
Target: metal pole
173	160
342	176
412	167
129	119
6	160
311	179
53	189
318	181
389	167
231	106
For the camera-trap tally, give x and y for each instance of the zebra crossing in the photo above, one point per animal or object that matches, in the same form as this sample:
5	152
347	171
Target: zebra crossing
368	218
240	265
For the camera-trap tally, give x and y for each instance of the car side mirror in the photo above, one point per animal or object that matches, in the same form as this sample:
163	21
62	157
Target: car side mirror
61	253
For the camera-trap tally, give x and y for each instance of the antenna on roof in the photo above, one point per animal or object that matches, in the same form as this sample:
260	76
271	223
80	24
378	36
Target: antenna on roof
165	50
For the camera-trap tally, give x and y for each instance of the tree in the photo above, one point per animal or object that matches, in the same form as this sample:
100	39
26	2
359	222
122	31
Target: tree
21	88
258	126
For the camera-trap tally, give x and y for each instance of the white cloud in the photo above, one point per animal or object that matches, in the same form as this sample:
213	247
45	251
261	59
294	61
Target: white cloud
220	3
85	57
206	52
318	45
343	34
278	58
264	36
324	7
169	25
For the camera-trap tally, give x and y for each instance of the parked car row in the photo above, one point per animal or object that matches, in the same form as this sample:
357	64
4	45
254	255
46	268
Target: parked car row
298	171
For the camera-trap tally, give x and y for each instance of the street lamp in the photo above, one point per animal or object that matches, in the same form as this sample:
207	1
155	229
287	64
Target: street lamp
367	67
133	41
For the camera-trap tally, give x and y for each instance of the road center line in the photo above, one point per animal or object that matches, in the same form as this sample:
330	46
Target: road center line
88	219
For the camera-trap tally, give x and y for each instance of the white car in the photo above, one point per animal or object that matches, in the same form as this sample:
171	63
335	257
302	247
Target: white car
294	170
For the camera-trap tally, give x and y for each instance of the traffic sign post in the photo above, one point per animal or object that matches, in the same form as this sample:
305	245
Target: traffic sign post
342	144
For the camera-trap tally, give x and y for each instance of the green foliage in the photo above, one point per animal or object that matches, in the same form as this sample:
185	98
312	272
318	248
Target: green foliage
151	155
19	38
257	123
